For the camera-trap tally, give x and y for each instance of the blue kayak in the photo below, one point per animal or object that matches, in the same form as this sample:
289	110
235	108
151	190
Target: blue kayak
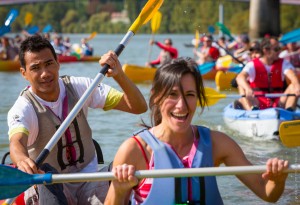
258	123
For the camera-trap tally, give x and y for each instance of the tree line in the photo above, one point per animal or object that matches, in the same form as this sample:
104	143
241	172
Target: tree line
178	16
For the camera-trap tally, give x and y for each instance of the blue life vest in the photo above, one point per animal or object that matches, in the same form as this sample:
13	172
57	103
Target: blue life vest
164	191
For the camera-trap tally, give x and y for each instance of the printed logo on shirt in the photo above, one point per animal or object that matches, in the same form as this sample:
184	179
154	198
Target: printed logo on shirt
101	88
16	118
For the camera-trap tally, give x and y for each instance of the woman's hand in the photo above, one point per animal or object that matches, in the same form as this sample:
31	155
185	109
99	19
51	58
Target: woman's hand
125	178
275	168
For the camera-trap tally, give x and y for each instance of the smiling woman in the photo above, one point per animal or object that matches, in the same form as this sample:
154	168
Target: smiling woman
173	142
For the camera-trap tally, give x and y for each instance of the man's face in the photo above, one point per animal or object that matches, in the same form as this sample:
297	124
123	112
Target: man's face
42	73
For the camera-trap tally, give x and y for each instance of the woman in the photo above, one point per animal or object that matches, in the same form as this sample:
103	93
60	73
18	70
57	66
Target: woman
173	142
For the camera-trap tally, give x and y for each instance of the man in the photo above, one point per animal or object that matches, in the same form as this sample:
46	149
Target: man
167	53
207	53
40	110
267	75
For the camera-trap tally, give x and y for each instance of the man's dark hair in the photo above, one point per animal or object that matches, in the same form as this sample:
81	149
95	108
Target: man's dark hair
34	44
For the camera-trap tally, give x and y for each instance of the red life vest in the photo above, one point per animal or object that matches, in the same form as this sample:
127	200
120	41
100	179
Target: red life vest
267	83
271	82
214	53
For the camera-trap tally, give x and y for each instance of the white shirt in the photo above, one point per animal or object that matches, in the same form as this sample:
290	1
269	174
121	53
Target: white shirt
23	117
250	70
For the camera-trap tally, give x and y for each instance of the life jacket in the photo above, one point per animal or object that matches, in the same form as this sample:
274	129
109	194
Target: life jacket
214	53
204	189
265	82
165	57
79	139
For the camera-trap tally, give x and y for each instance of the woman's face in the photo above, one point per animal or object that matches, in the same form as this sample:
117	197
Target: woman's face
176	115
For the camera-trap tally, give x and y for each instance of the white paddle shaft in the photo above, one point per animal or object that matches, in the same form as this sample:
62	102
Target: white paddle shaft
165	173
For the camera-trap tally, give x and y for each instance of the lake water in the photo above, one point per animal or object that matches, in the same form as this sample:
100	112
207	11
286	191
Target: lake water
111	128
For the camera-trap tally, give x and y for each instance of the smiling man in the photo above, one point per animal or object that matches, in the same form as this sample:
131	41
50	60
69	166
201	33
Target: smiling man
41	108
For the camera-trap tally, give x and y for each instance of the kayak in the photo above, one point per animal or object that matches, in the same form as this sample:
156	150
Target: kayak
223	80
11	65
139	74
142	74
263	124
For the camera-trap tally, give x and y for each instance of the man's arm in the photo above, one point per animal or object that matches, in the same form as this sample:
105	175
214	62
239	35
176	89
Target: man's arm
291	75
132	101
19	153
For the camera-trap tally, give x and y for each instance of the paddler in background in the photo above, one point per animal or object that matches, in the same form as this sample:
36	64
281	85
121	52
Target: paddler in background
207	53
167	53
171	142
267	75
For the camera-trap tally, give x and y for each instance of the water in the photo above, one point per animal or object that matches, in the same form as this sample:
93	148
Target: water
111	128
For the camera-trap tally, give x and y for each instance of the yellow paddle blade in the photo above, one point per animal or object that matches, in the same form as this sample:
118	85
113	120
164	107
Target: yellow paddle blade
289	132
197	39
213	96
155	21
92	36
146	14
28	18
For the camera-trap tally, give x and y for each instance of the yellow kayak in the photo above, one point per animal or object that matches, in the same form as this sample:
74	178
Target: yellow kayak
223	80
142	74
139	74
9	65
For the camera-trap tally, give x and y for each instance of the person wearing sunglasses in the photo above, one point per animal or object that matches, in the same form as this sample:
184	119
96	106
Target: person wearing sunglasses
267	74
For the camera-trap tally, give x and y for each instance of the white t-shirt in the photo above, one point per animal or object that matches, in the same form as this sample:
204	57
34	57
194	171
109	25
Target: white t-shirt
250	70
22	117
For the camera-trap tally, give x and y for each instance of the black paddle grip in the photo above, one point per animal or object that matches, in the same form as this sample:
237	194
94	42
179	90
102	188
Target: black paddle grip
40	159
118	51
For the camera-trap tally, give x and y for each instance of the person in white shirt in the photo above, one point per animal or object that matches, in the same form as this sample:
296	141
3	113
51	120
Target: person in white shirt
40	110
267	75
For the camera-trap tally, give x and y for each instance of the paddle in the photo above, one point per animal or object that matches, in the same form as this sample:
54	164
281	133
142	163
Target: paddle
229	53
214	96
211	29
28	18
290	37
155	24
225	30
33	30
13	181
146	14
197	41
289	133
47	28
11	16
91	36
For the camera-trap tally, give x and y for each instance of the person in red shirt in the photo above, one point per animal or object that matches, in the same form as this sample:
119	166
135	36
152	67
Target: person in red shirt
207	53
168	52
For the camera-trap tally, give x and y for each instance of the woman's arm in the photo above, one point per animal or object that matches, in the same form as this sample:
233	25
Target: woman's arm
269	186
127	159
